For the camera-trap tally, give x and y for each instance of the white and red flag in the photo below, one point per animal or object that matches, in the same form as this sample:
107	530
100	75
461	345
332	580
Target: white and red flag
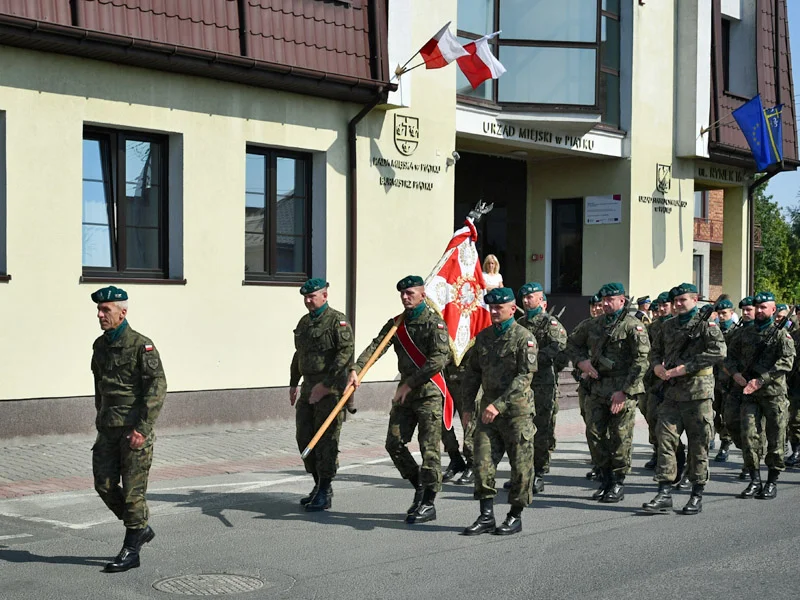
442	49
480	64
456	288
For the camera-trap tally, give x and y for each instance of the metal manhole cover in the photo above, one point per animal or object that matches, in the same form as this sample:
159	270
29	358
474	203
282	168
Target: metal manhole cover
210	584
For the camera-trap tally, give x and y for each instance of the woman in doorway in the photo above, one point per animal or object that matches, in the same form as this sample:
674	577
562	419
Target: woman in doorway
491	272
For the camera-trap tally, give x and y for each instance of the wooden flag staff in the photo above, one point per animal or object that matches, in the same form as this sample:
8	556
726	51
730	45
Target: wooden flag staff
349	391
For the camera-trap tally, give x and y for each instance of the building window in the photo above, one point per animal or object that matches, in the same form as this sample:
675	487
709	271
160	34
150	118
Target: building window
124	204
564	54
277	215
697	272
701	205
567	251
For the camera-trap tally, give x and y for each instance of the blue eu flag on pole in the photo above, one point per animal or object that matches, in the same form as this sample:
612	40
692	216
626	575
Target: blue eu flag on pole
763	130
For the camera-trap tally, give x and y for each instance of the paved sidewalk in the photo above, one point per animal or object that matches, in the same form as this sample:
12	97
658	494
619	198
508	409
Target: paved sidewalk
45	465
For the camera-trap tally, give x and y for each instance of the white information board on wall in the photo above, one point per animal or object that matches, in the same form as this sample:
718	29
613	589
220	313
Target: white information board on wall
601	210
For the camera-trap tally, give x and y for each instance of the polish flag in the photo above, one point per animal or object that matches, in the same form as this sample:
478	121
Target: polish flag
480	64
442	49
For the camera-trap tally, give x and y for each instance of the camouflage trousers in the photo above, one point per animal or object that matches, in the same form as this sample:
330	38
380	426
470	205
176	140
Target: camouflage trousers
425	413
774	411
793	423
544	398
120	474
648	406
676	415
582	394
449	439
610	436
512	435
323	460
732	413
720	426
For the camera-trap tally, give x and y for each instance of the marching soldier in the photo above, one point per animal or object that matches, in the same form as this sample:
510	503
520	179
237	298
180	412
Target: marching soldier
129	391
683	357
422	345
612	351
323	342
503	362
551	339
648	402
793	426
454	376
643	313
759	360
724	310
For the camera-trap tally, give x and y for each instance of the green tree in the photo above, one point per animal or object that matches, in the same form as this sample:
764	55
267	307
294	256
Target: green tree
774	269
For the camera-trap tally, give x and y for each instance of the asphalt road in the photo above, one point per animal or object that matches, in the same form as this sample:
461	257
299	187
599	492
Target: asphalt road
53	546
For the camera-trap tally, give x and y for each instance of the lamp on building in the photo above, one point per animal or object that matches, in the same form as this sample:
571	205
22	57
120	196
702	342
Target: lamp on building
452	159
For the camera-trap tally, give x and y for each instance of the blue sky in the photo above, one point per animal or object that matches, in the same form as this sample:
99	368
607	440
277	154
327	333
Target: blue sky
785	186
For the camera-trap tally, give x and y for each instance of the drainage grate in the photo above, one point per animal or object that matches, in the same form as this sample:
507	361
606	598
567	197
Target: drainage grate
210	584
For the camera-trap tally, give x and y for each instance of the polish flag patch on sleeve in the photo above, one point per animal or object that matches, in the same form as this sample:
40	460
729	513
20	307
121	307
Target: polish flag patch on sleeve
440	325
342	323
639	328
553	322
149	347
530	344
712	324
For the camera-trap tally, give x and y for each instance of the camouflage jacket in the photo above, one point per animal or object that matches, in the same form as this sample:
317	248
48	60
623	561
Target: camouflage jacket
793	379
748	355
129	381
696	344
625	356
324	348
723	380
551	338
654	333
429	333
504	365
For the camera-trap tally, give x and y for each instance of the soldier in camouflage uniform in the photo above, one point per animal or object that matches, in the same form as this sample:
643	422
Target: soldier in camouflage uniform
324	346
551	340
759	360
683	357
612	350
417	401
503	362
793	425
724	310
129	391
454	377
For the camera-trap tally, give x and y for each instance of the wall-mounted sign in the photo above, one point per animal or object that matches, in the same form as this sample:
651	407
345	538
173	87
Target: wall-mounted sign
662	205
721	174
391	173
600	210
663	178
406	134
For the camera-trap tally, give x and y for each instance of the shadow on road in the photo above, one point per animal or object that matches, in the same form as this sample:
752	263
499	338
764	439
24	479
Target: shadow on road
23	556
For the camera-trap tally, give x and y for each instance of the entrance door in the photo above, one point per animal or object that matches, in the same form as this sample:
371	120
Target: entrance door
503	182
566	267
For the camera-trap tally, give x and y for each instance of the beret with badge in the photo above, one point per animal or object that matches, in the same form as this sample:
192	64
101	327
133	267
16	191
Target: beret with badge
313	285
410	281
595	299
723	304
780	307
530	288
614	288
761	297
746	301
109	294
499	296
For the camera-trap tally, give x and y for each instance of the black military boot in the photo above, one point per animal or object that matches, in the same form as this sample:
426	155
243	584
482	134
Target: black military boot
417	495
754	487
507	485
512	524
538	482
662	503
310	497
455	467
616	492
322	499
128	557
680	459
485	522
606	482
722	455
468	476
651	464
695	503
743	474
793	459
595	474
770	489
426	511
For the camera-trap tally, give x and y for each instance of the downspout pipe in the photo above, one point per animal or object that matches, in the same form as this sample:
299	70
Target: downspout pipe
352	202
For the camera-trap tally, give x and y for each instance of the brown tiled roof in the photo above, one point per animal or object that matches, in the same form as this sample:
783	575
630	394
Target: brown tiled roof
50	11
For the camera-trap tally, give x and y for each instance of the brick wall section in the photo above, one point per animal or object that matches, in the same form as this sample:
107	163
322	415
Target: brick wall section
715	274
709	229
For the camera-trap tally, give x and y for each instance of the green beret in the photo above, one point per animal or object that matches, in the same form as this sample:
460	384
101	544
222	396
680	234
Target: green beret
409	281
763	297
723	304
529	288
595	299
612	289
643	300
313	285
663	298
684	288
109	294
781	307
655	304
499	296
746	301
